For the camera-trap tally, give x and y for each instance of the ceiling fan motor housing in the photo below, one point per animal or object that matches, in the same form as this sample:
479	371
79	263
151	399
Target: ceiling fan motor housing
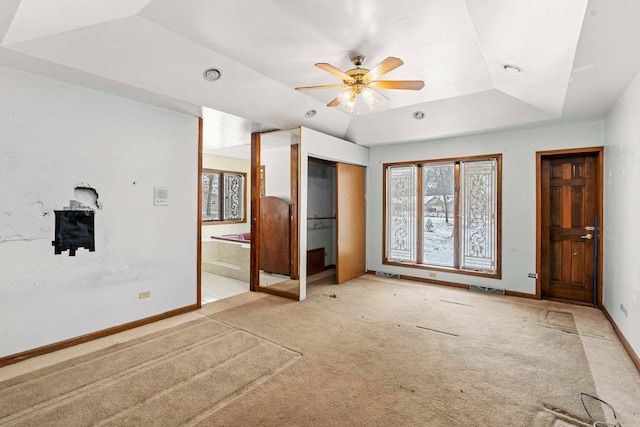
357	60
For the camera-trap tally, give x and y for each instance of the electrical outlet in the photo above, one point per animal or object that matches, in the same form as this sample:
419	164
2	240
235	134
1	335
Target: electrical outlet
432	274
144	294
623	309
533	275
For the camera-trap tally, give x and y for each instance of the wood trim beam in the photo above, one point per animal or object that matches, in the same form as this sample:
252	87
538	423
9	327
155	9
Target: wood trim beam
199	217
254	274
19	357
295	165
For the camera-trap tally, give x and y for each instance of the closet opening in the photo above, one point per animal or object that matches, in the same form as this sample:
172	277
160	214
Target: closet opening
321	221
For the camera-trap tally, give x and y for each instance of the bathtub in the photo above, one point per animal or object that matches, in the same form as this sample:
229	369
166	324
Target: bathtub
239	237
227	255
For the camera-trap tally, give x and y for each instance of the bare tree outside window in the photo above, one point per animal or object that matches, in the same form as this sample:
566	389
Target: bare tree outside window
438	210
439	182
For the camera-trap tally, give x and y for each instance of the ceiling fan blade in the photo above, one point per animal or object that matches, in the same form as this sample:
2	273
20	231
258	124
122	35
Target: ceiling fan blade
334	102
333	70
399	84
383	68
337	85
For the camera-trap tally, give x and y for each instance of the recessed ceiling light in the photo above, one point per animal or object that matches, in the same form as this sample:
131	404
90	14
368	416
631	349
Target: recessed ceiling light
310	114
212	74
510	68
418	115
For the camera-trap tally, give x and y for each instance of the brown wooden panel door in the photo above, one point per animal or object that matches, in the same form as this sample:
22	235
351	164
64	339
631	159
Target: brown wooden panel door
275	237
350	221
569	205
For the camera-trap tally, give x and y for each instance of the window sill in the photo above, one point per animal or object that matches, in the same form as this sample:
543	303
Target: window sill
223	222
495	275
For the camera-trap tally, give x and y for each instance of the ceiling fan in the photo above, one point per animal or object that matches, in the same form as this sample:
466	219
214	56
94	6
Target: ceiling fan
362	81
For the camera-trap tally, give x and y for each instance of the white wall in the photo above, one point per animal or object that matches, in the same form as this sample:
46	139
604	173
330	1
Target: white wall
622	214
210	161
518	149
53	136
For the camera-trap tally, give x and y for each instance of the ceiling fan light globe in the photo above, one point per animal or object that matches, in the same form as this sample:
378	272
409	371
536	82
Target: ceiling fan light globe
348	106
344	97
371	97
347	99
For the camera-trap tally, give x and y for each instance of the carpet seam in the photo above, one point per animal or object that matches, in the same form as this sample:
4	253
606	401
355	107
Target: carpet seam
242	391
177	385
100	357
261	337
100	384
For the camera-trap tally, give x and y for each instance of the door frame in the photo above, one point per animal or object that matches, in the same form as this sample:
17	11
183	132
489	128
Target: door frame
543	155
199	217
254	272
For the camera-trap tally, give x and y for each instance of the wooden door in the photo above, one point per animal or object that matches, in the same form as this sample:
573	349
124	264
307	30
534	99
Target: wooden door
275	237
350	221
569	198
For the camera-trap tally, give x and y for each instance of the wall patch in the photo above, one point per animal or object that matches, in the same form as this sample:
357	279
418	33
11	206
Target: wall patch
75	223
74	229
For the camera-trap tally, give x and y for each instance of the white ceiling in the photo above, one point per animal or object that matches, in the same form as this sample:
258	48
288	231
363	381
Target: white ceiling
576	56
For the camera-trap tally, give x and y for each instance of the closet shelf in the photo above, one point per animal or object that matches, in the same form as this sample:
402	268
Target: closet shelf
320	217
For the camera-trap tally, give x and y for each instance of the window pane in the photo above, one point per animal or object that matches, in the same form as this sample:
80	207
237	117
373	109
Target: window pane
210	196
478	188
401	217
438	198
233	197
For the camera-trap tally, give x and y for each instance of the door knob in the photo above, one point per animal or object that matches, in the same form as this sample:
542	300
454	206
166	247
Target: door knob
588	236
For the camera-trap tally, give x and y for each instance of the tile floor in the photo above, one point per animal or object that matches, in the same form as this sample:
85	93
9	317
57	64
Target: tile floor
215	287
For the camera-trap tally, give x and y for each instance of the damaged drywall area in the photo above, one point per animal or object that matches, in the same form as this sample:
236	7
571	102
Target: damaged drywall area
75	224
86	198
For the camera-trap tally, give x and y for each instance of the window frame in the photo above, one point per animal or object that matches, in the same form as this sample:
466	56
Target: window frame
497	274
222	173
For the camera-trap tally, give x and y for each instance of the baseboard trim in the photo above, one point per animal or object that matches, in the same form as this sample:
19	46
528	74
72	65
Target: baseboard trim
19	357
457	285
279	293
632	354
520	294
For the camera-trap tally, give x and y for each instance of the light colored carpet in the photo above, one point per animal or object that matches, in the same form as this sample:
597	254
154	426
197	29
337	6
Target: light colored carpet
385	353
371	352
171	378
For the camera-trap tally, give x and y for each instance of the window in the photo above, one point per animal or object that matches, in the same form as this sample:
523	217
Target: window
223	196
444	214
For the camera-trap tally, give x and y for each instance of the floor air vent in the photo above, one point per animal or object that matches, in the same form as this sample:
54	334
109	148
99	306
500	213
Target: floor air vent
486	289
386	274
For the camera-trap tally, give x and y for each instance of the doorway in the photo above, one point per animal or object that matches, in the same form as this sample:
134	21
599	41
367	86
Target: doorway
569	225
336	220
274	213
